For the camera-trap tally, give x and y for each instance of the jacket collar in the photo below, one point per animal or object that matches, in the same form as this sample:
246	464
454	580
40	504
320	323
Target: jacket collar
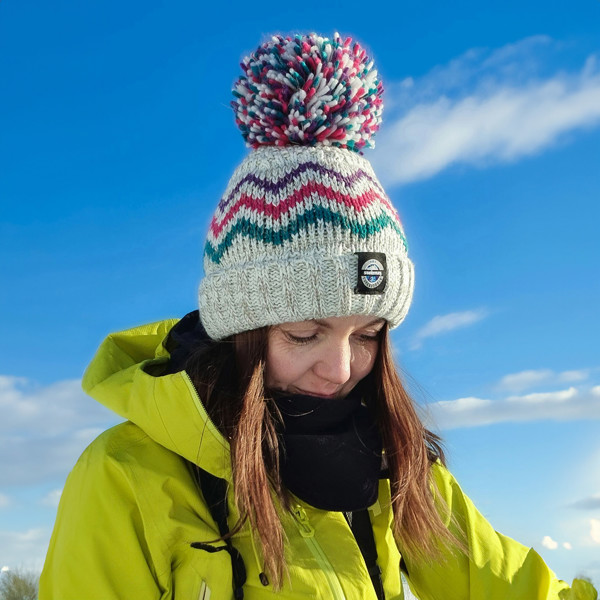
133	375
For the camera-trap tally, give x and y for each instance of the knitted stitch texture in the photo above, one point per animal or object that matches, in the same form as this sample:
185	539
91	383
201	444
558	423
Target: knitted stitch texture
283	240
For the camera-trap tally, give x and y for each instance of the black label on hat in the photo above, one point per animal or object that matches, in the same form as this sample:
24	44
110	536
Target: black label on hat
372	273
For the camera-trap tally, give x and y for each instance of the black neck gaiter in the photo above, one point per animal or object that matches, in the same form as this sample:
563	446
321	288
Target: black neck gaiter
329	451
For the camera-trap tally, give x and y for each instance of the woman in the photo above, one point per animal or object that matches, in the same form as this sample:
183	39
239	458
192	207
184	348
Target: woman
270	448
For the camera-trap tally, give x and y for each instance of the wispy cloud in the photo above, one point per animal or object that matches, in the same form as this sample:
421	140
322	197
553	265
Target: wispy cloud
524	379
591	503
517	382
45	428
561	405
484	108
544	398
24	548
444	323
573	376
52	498
595	530
4	501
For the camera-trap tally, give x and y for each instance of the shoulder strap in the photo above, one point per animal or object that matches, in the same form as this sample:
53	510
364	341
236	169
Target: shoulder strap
360	524
214	490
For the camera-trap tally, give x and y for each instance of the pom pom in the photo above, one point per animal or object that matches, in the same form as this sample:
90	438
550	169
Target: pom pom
308	90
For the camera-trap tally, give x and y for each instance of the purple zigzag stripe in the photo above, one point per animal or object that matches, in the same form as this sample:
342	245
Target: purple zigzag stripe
307	166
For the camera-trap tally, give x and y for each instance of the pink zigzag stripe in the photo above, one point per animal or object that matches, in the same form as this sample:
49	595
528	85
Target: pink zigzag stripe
359	202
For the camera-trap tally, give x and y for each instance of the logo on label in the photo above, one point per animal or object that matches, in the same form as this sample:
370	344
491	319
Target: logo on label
372	273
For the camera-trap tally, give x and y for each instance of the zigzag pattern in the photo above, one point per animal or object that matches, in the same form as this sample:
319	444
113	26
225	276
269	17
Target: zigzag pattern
313	216
276	187
261	209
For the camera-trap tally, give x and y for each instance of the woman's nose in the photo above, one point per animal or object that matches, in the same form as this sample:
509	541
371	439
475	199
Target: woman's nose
335	362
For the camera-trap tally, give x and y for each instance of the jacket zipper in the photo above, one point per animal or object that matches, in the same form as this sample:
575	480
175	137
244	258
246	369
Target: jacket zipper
193	390
307	532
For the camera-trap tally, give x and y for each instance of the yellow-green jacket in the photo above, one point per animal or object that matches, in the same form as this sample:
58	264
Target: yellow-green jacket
131	508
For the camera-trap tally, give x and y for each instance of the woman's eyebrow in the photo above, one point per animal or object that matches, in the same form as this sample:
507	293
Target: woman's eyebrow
324	324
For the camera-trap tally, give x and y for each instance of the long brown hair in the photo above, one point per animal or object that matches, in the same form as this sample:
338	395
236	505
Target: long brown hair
229	377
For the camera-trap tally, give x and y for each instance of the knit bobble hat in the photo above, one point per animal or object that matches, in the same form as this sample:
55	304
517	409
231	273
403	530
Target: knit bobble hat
304	229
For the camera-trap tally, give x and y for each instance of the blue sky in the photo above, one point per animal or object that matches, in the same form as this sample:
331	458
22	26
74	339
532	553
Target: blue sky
116	141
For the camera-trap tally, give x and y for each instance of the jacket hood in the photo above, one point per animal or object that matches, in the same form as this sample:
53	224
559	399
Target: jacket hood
138	374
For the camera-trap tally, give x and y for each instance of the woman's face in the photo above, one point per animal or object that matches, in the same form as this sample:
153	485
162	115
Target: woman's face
322	357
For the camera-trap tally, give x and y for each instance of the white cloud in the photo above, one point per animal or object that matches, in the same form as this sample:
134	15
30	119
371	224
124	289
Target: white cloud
524	379
483	108
574	376
24	549
567	546
595	530
4	501
45	428
545	397
517	382
52	498
444	323
591	503
549	543
561	405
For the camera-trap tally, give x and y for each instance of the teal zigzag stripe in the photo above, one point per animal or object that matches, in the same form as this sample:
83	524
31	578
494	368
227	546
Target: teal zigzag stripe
311	217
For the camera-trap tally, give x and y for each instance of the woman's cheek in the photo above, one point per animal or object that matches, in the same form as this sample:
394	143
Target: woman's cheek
283	365
364	358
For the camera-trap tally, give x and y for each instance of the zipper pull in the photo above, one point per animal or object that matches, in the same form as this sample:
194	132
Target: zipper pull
303	523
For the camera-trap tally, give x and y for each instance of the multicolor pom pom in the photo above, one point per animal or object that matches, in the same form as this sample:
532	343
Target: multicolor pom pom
308	90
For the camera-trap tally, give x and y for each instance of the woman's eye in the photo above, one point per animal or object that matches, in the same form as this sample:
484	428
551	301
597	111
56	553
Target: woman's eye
299	339
368	337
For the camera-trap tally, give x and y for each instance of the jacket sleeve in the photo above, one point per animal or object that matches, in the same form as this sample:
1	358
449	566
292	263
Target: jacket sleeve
98	549
496	567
